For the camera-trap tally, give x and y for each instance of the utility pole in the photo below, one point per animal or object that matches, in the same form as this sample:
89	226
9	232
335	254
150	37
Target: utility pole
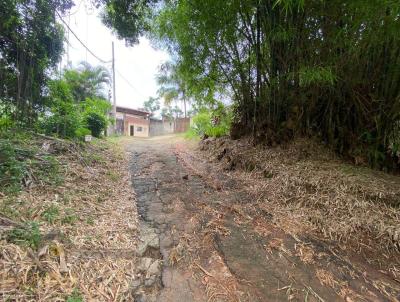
114	107
69	22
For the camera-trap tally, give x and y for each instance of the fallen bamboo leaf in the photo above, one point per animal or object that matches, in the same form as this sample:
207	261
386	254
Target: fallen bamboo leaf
204	271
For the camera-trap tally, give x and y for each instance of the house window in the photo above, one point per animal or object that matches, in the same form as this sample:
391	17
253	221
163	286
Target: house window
139	129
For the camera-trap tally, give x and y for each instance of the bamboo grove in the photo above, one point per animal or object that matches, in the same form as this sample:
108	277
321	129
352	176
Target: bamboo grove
329	69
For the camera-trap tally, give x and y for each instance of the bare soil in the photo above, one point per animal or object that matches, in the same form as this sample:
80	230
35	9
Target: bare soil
231	230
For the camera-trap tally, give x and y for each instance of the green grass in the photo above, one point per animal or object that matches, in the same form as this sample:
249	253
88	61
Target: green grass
75	296
93	158
113	176
47	170
70	217
51	214
90	221
26	235
9	207
191	134
20	160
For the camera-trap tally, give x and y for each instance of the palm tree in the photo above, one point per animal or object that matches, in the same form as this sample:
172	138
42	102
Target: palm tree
88	81
173	86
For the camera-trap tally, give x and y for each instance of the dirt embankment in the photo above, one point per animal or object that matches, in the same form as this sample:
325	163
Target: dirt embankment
73	239
310	190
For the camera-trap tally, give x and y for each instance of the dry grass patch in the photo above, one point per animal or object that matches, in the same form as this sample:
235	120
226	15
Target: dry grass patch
304	184
81	242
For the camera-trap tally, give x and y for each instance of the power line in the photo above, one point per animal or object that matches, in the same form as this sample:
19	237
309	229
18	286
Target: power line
79	40
127	81
92	53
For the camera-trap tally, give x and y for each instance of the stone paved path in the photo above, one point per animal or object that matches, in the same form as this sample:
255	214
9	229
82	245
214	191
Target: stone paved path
159	181
231	257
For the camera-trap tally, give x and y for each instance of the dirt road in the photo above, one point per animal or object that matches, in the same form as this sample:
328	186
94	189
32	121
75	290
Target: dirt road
214	246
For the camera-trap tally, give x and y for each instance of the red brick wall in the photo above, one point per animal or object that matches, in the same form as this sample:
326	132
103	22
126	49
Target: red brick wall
136	121
182	124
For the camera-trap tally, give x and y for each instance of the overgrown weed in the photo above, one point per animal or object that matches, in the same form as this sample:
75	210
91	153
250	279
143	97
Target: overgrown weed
27	235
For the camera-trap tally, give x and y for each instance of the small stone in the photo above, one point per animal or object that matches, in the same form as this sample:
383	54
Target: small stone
154	242
140	298
167	242
154	269
141	249
150	281
144	264
136	284
149	238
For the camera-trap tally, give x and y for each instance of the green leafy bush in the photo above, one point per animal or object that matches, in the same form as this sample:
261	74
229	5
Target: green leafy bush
62	118
67	118
96	122
81	132
202	123
213	123
6	122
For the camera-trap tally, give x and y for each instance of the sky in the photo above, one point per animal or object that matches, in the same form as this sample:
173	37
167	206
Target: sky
135	66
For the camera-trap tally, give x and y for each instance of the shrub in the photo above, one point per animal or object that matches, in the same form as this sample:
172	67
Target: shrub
202	123
191	134
81	132
62	117
6	122
213	123
67	118
96	123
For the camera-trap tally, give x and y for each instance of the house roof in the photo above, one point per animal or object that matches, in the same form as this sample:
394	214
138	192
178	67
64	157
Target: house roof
132	111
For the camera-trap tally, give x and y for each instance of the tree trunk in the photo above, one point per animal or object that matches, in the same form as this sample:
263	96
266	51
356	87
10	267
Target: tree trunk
184	103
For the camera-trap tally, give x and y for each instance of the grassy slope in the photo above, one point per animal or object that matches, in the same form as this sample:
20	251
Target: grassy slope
69	233
309	188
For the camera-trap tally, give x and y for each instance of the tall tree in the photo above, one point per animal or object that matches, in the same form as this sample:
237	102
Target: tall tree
305	67
88	81
291	67
128	18
31	44
152	105
173	85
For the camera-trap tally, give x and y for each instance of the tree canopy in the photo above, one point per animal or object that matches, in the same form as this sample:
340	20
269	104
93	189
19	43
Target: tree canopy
328	69
323	68
172	85
152	105
128	18
31	44
88	81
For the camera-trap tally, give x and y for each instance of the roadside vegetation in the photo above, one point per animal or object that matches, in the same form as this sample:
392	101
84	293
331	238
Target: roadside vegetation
65	208
296	99
215	122
60	197
325	69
